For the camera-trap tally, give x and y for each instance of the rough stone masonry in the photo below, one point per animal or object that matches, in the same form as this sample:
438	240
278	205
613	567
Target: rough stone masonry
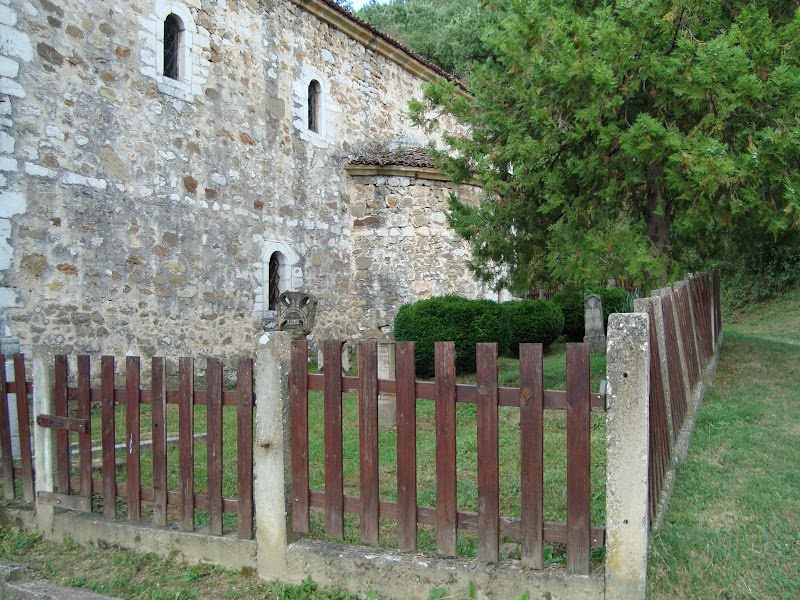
150	211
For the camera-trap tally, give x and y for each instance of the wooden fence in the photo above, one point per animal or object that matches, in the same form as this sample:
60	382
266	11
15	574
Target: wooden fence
685	330
696	330
76	489
531	398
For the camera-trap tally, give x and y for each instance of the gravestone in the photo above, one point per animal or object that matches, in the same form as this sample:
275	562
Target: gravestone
387	403
378	331
594	324
348	353
296	313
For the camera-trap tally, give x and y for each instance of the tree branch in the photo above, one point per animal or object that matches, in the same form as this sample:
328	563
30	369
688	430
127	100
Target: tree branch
677	29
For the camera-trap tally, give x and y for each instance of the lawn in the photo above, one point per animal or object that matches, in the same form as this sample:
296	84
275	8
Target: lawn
229	437
733	525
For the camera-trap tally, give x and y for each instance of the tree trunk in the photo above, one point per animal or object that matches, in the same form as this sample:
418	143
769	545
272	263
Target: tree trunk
657	210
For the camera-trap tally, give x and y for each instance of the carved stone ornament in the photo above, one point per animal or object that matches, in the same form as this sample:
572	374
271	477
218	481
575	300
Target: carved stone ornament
296	313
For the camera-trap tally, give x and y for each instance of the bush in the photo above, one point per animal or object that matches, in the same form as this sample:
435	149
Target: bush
757	270
453	319
571	303
532	321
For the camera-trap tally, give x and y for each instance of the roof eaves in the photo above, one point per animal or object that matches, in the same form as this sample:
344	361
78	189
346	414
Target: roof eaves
375	40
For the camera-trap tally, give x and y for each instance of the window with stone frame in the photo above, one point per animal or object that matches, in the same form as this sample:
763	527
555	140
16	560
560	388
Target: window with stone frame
314	105
173	46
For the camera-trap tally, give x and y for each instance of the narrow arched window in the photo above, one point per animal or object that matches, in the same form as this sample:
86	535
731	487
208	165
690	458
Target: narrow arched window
314	100
274	280
173	45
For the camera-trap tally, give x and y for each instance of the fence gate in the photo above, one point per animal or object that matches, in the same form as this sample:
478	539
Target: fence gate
63	424
182	486
446	517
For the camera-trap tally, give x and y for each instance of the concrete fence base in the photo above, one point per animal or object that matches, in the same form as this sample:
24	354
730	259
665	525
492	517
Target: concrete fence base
191	547
412	575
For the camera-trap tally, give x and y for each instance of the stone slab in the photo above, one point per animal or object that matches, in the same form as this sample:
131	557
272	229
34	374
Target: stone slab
18	583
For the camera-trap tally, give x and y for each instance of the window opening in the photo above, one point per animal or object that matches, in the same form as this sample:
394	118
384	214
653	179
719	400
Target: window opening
314	96
173	33
274	281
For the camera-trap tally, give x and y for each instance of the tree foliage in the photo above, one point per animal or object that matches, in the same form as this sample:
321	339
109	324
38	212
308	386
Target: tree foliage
446	32
631	138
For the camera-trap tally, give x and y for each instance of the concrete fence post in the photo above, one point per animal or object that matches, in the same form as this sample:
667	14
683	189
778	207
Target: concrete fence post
43	447
272	454
627	446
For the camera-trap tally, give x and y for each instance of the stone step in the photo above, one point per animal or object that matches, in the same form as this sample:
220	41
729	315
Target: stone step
18	583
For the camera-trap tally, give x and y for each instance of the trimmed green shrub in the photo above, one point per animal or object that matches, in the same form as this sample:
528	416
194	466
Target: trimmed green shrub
452	319
571	303
534	321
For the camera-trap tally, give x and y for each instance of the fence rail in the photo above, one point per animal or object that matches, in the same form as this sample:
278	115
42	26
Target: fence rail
531	398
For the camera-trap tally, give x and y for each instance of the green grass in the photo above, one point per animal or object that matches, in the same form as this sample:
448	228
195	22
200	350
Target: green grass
133	575
229	474
733	525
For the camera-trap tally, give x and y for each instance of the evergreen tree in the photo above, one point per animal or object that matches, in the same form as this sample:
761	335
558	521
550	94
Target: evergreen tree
625	138
446	32
345	4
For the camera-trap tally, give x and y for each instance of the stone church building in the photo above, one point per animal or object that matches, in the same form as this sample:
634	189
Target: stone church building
169	167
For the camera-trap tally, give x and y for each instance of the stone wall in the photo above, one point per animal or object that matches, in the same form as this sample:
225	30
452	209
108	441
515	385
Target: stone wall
404	248
15	50
139	213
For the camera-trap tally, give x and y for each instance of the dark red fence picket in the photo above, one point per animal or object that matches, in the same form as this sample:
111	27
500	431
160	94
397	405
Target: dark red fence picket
659	441
687	335
445	517
21	468
676	371
717	287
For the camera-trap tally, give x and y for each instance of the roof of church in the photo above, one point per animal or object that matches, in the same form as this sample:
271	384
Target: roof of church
394	42
400	157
